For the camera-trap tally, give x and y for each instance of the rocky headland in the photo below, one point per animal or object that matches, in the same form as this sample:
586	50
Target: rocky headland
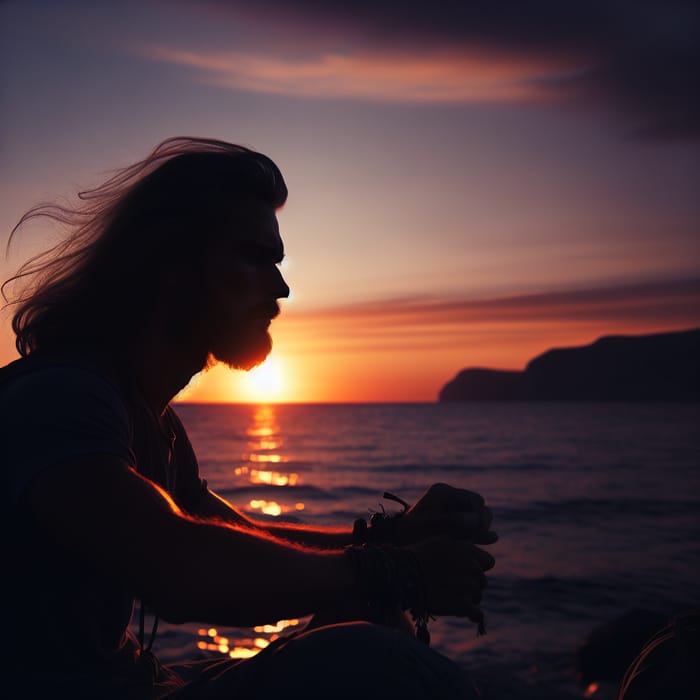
658	367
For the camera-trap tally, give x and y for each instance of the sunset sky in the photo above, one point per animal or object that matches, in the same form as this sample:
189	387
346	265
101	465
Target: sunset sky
470	184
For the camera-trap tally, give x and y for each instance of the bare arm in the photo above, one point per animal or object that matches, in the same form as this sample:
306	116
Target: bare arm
184	568
206	570
442	511
212	505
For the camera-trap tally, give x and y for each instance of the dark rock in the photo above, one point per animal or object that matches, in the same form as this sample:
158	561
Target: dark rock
485	385
659	367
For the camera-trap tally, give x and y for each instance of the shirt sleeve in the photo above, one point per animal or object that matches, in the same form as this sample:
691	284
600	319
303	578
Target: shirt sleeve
53	414
188	487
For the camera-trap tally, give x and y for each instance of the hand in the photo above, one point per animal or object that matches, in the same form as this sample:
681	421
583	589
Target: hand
453	576
445	510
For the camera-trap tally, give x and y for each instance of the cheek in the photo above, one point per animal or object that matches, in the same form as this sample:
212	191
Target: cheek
243	282
229	293
227	307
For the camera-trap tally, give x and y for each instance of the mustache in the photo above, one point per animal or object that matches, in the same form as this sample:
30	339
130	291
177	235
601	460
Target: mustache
266	310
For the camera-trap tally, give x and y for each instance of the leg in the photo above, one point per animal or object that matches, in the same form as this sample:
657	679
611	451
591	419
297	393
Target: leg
359	612
350	660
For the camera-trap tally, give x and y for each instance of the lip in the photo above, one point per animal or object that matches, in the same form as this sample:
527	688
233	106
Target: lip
261	315
266	313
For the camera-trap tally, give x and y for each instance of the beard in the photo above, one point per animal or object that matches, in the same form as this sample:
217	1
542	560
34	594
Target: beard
243	348
245	344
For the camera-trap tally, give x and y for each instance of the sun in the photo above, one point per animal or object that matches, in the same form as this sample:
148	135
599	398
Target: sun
266	382
270	382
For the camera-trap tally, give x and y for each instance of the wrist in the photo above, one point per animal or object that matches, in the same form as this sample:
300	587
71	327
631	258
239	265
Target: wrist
383	527
389	578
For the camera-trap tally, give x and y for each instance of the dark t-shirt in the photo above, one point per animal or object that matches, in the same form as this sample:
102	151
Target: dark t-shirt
59	607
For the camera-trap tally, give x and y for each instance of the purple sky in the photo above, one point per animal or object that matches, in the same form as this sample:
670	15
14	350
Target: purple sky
435	153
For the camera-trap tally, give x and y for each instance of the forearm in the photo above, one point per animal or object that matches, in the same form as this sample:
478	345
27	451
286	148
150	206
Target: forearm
318	537
228	575
185	568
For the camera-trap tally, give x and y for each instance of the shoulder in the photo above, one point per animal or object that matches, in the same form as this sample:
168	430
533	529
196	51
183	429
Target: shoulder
51	412
61	399
46	405
35	383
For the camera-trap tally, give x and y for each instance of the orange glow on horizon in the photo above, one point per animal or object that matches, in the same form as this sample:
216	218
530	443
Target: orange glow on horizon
406	350
270	382
418	373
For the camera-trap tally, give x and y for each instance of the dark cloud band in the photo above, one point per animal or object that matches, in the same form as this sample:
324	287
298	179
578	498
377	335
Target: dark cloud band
639	57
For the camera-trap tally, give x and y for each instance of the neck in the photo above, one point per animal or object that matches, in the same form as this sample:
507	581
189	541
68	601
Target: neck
162	366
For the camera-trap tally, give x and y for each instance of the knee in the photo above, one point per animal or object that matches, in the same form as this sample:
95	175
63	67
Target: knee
376	661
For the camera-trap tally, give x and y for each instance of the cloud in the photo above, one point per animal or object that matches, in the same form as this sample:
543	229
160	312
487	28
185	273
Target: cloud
639	57
399	77
649	306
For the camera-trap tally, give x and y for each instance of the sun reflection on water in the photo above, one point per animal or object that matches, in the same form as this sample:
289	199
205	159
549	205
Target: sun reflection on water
272	507
266	458
266	443
266	447
264	476
262	431
243	647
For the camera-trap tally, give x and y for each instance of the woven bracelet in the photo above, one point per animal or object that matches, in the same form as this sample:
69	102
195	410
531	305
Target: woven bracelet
389	577
413	597
382	526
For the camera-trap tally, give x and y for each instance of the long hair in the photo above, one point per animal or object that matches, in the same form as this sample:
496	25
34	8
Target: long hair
95	286
667	665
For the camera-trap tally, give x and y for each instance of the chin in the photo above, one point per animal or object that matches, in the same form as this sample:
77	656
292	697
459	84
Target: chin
244	355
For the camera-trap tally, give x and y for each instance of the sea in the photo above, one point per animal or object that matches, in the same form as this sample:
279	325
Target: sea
597	507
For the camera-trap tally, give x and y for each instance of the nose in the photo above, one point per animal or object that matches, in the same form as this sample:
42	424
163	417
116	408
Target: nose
282	288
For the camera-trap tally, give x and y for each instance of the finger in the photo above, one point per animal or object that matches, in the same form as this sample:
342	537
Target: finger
449	498
465	604
474	613
474	590
463	523
461	499
458	525
489	537
483	558
455	525
486	518
476	576
445	499
469	583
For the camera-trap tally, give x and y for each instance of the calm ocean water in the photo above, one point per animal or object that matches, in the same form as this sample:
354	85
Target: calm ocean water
597	507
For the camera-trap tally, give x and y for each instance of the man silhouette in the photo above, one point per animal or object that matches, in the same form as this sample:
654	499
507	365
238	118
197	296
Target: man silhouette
169	266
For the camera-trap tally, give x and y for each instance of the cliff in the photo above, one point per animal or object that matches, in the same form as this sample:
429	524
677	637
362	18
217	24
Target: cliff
659	367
